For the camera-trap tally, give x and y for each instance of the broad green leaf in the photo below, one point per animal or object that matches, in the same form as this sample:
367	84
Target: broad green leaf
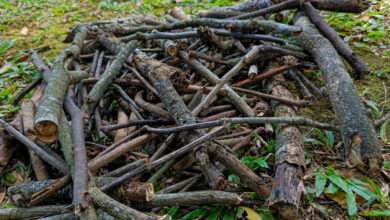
329	138
240	212
383	132
261	162
172	211
338	181
266	216
332	188
229	214
309	195
320	135
314	141
377	213
193	214
372	105
377	190
362	191
357	181
351	202
7	205
214	213
6	46
387	165
320	182
307	158
234	178
320	207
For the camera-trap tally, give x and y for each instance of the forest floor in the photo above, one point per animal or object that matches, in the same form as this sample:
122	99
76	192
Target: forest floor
43	24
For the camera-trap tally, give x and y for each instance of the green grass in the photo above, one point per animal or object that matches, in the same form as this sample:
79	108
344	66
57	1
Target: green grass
47	22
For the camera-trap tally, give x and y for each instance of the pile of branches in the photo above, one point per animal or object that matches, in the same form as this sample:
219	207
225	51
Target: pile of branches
172	97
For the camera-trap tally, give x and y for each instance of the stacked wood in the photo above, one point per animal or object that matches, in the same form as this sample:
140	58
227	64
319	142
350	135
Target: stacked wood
139	103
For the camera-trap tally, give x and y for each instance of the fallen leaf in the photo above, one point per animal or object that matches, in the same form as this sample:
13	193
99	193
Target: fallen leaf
364	18
24	31
340	198
251	214
2	195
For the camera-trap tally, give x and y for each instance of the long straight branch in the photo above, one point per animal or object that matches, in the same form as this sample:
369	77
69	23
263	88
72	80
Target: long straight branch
35	148
237	25
248	120
80	180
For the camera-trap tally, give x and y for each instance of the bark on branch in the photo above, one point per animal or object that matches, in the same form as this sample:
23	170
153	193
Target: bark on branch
358	133
49	111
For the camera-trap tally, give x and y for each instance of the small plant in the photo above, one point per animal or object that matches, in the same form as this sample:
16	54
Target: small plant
383	132
348	186
4	46
255	163
228	213
326	141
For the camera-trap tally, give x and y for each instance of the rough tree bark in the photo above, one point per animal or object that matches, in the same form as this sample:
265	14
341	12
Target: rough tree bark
358	66
49	111
289	157
358	133
114	207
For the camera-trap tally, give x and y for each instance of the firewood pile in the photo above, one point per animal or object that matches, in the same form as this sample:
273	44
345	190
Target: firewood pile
139	102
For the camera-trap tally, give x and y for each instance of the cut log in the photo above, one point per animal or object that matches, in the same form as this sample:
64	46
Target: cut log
289	157
33	212
347	105
170	48
192	199
49	111
139	191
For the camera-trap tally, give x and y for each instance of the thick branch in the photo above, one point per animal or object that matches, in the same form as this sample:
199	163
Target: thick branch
114	207
357	130
49	111
359	67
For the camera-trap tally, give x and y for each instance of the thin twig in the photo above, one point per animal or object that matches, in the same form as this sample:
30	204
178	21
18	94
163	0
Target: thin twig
249	120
